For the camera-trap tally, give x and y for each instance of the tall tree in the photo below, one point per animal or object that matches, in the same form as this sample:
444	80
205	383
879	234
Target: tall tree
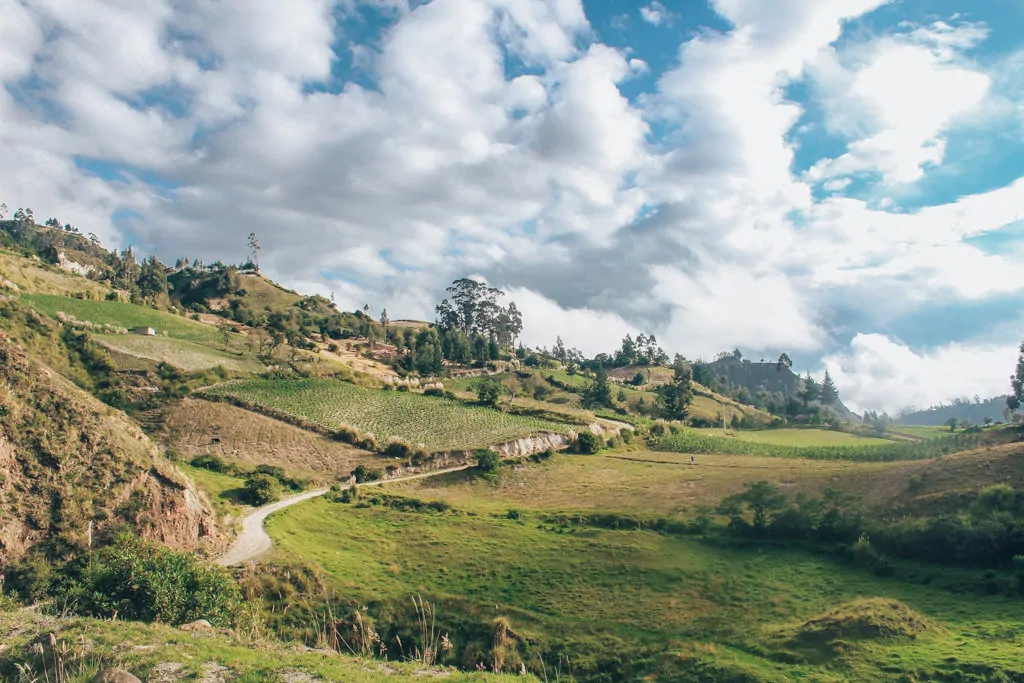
515	322
385	320
254	246
599	392
1015	401
829	394
810	390
674	398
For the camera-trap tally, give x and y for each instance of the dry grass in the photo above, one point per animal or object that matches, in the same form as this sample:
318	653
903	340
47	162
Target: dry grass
194	426
39	278
180	353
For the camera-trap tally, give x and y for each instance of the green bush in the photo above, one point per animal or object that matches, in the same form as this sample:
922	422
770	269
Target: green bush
261	489
587	443
143	581
362	473
488	460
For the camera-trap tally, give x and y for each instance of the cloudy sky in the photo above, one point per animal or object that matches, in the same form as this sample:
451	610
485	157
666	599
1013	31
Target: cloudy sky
839	179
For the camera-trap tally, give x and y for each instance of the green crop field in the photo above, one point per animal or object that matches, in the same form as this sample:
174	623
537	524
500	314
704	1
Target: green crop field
123	314
694	441
437	423
797	437
180	353
620	605
920	432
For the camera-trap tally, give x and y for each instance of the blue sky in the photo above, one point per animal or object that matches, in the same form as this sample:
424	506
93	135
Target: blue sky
837	179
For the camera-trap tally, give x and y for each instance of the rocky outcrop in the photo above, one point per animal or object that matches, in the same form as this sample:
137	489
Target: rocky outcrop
64	263
532	444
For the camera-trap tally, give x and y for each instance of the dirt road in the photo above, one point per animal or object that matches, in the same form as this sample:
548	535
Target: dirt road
253	541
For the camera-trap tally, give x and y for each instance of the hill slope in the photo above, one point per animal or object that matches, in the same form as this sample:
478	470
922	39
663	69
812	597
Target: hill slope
67	460
961	410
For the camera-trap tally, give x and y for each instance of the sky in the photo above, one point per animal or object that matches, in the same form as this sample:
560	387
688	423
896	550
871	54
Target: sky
842	180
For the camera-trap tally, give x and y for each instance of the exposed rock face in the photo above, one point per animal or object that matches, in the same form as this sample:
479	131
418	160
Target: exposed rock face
532	444
71	266
67	460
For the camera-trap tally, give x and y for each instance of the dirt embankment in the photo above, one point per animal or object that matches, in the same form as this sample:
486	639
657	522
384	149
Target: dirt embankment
67	460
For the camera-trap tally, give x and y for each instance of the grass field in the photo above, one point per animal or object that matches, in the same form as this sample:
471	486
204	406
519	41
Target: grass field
694	441
797	437
181	353
920	432
123	314
632	603
437	423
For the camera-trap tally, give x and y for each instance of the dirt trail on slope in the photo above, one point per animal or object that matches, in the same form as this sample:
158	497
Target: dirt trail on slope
254	541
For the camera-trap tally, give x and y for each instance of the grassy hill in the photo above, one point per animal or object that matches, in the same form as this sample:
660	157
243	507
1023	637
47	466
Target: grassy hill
43	278
437	423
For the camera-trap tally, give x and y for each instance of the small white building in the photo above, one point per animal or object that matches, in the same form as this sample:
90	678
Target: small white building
145	331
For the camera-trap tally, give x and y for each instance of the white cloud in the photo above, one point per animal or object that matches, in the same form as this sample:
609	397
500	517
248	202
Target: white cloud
591	331
879	373
654	13
906	92
837	184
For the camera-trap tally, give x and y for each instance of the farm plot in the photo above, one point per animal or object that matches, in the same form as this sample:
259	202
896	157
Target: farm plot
693	441
799	437
437	423
121	314
180	353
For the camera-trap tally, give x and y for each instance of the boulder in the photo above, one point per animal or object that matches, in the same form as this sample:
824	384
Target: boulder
197	625
115	676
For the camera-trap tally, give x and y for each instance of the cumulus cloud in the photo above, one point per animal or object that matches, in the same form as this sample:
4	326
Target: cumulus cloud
904	94
880	373
494	137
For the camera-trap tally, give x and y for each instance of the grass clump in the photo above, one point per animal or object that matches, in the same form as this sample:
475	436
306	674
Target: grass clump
865	619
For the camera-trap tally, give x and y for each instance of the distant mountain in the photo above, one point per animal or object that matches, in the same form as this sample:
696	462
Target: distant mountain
961	409
755	376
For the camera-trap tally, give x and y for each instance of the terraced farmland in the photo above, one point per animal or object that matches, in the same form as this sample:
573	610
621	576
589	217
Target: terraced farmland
121	314
799	437
437	423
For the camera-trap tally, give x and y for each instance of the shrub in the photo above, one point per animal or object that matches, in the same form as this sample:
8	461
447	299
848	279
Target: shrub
261	489
514	514
488	392
362	473
626	435
488	460
143	581
397	448
587	443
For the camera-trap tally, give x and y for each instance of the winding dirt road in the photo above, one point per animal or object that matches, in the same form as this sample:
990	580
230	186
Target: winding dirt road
253	541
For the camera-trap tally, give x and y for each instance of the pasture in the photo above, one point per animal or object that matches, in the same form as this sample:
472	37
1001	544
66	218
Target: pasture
797	437
439	424
122	314
623	604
